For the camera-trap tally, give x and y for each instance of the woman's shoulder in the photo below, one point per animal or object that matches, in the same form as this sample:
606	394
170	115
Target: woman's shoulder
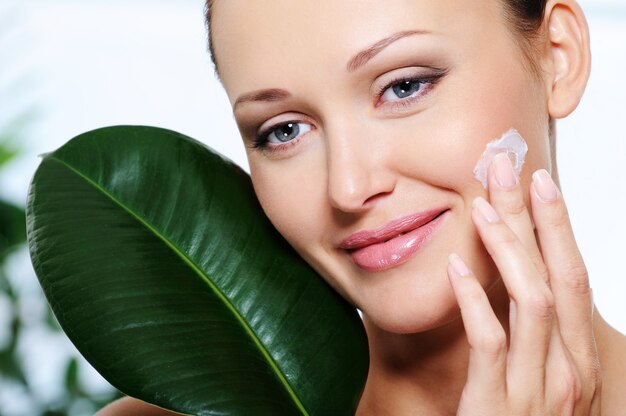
612	352
131	406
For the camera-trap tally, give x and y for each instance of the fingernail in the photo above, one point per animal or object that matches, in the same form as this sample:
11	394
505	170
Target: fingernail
504	171
486	210
458	265
545	186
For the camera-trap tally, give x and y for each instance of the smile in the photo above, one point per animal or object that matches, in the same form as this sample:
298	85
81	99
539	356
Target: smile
395	242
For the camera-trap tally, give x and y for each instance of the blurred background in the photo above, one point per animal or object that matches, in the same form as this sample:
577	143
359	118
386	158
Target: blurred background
68	66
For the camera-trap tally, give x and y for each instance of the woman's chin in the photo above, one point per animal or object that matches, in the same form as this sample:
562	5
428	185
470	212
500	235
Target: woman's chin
411	311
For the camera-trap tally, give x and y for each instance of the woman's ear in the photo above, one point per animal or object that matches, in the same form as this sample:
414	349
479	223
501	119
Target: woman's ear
568	56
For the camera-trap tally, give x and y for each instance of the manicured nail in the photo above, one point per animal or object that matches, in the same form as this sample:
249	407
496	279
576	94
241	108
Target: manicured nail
458	265
545	186
504	171
486	210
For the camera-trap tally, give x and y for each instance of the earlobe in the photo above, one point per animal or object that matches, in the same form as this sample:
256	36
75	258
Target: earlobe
569	57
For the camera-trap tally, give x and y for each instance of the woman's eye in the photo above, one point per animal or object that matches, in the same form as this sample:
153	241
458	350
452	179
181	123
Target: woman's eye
281	133
403	89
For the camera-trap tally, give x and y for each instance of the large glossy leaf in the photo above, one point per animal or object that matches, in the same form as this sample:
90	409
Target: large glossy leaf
163	270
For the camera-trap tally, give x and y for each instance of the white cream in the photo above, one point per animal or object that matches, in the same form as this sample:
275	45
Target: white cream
510	143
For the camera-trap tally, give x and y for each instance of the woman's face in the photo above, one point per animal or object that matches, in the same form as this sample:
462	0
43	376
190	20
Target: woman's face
352	141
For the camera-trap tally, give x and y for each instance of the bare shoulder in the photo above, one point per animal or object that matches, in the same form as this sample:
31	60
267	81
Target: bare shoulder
612	351
131	406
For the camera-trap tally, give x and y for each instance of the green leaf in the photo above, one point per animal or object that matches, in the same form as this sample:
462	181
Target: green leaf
12	228
10	364
163	270
6	154
14	132
72	385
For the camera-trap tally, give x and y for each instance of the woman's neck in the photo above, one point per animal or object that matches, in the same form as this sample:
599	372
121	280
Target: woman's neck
423	373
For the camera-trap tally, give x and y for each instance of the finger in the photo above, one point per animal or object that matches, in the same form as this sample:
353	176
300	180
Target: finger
528	289
507	197
568	275
563	384
487	339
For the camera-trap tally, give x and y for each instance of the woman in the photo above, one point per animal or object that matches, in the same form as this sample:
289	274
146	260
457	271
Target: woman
364	120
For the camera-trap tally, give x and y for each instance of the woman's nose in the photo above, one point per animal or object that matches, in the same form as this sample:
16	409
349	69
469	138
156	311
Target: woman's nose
358	171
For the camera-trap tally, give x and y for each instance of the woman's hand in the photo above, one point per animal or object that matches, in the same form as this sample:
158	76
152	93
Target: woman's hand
550	365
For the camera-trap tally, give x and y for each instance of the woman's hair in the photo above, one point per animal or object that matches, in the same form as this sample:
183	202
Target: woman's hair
525	17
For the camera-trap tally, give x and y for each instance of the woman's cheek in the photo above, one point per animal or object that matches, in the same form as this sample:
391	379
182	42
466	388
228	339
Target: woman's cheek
440	152
290	197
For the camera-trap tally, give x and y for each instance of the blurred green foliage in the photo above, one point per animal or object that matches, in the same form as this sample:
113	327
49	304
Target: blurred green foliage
25	318
75	400
26	322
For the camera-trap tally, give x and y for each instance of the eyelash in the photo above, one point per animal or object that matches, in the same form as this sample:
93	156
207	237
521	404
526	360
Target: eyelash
261	142
430	80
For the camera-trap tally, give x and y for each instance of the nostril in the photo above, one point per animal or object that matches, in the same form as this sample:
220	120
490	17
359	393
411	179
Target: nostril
376	197
357	179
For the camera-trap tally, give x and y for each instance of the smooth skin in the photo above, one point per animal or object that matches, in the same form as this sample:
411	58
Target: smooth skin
513	330
551	364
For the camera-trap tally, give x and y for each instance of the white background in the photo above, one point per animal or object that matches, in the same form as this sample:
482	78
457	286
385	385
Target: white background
85	64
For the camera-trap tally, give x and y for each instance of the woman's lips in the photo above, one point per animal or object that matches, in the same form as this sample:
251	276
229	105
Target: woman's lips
395	242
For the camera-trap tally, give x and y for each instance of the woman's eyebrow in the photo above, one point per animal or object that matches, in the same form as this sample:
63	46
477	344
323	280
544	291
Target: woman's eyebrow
365	55
270	94
357	61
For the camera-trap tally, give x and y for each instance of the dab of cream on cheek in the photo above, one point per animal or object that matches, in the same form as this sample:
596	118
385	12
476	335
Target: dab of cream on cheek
510	143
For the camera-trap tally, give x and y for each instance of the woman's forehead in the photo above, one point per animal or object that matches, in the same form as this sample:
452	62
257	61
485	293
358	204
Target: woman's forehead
274	36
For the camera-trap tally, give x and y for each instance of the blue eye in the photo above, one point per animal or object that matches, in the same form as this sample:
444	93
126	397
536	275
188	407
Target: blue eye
403	89
281	133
